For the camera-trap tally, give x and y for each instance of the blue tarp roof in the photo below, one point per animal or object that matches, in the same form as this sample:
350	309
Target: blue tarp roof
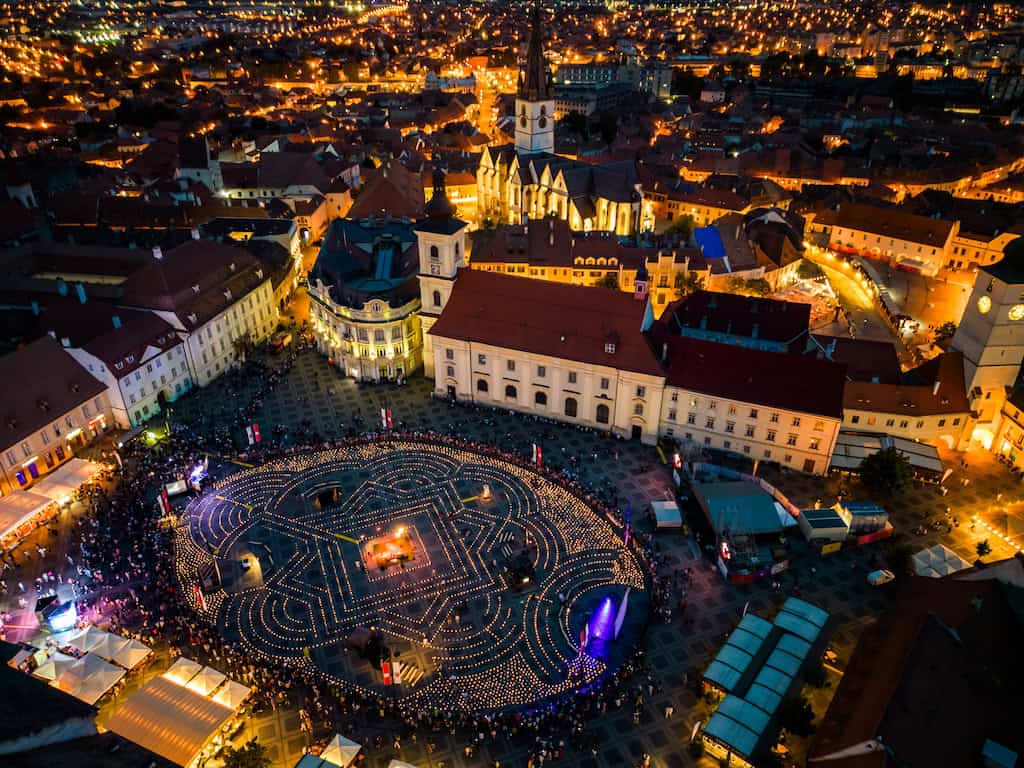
745	640
805	610
794	646
738	506
710	242
726	730
755	625
722	675
744	712
763	698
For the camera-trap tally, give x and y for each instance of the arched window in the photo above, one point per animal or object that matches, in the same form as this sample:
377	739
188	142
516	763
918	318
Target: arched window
638	409
540	398
603	414
510	392
434	253
437	298
481	385
570	407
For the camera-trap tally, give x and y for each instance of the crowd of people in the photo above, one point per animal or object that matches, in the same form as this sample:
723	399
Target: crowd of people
123	574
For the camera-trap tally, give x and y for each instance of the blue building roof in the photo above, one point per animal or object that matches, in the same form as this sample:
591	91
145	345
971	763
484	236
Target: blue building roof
709	240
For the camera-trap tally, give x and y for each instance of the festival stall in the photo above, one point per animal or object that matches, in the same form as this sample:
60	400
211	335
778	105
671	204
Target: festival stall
340	753
88	678
177	714
63	482
20	513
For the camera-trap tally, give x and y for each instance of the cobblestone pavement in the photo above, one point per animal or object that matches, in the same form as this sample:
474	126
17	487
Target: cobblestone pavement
676	651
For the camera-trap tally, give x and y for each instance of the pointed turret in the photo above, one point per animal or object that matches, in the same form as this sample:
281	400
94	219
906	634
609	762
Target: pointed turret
535	79
439	206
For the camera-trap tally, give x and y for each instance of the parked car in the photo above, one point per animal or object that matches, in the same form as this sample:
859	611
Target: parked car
878	578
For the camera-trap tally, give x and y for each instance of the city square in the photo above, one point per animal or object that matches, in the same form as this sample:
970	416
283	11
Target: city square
424	551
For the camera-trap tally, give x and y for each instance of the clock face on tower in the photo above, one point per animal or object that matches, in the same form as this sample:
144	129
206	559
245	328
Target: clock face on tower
435	269
1017	312
984	305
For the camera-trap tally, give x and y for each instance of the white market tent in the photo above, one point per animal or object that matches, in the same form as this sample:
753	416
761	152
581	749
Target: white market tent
109	646
206	681
170	718
938	561
667	514
18	508
88	678
132	654
341	751
61	484
51	668
183	670
87	639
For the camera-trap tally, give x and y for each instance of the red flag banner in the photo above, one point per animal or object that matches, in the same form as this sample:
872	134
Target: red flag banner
385	668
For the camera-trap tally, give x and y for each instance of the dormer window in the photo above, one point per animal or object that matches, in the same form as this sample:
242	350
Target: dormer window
195	288
259	273
231	266
609	348
227	294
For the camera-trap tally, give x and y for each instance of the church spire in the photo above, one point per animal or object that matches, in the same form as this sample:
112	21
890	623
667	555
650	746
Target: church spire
535	80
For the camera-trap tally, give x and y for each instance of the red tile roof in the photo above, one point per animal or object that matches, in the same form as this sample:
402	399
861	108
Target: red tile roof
570	322
772	379
58	384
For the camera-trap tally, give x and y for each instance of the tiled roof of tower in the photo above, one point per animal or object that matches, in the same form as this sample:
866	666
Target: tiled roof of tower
570	322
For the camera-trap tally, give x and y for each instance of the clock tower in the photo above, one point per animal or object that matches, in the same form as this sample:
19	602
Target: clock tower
991	335
535	97
441	240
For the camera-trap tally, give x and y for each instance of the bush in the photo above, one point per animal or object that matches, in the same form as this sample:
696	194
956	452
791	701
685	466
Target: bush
887	472
796	716
696	748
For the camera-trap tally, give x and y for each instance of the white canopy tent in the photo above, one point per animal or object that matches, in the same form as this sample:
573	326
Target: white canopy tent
18	508
938	561
206	681
231	695
87	639
132	654
341	751
109	646
60	485
183	670
52	667
88	678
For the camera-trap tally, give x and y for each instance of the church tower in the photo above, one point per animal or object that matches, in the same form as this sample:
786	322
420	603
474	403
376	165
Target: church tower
535	98
991	337
441	240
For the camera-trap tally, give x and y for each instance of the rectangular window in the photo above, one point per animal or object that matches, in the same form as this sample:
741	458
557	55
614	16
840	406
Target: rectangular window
956	421
727	444
730	427
481	359
691	418
750	431
605	383
819	426
796	421
904	424
11	459
815	444
87	411
767	453
675	397
510	365
672	415
753	413
46	437
732	410
855	419
942	422
713	405
746	449
770	437
641	391
709	423
542	371
572	377
774	418
449	354
890	422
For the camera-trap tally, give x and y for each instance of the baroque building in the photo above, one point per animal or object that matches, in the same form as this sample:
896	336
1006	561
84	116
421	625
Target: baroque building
527	180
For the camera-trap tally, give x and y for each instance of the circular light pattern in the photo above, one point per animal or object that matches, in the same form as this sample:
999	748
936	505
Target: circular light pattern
984	305
1017	312
396	541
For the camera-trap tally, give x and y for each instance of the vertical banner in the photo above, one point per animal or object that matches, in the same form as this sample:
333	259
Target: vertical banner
389	424
629	515
396	673
383	418
199	596
248	434
385	668
256	431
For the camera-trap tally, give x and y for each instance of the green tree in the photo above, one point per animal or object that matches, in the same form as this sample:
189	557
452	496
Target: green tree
609	280
687	283
682	226
945	331
796	716
251	755
887	472
983	549
807	270
608	125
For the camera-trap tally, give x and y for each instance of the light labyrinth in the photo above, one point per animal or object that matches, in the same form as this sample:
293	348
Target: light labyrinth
449	612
